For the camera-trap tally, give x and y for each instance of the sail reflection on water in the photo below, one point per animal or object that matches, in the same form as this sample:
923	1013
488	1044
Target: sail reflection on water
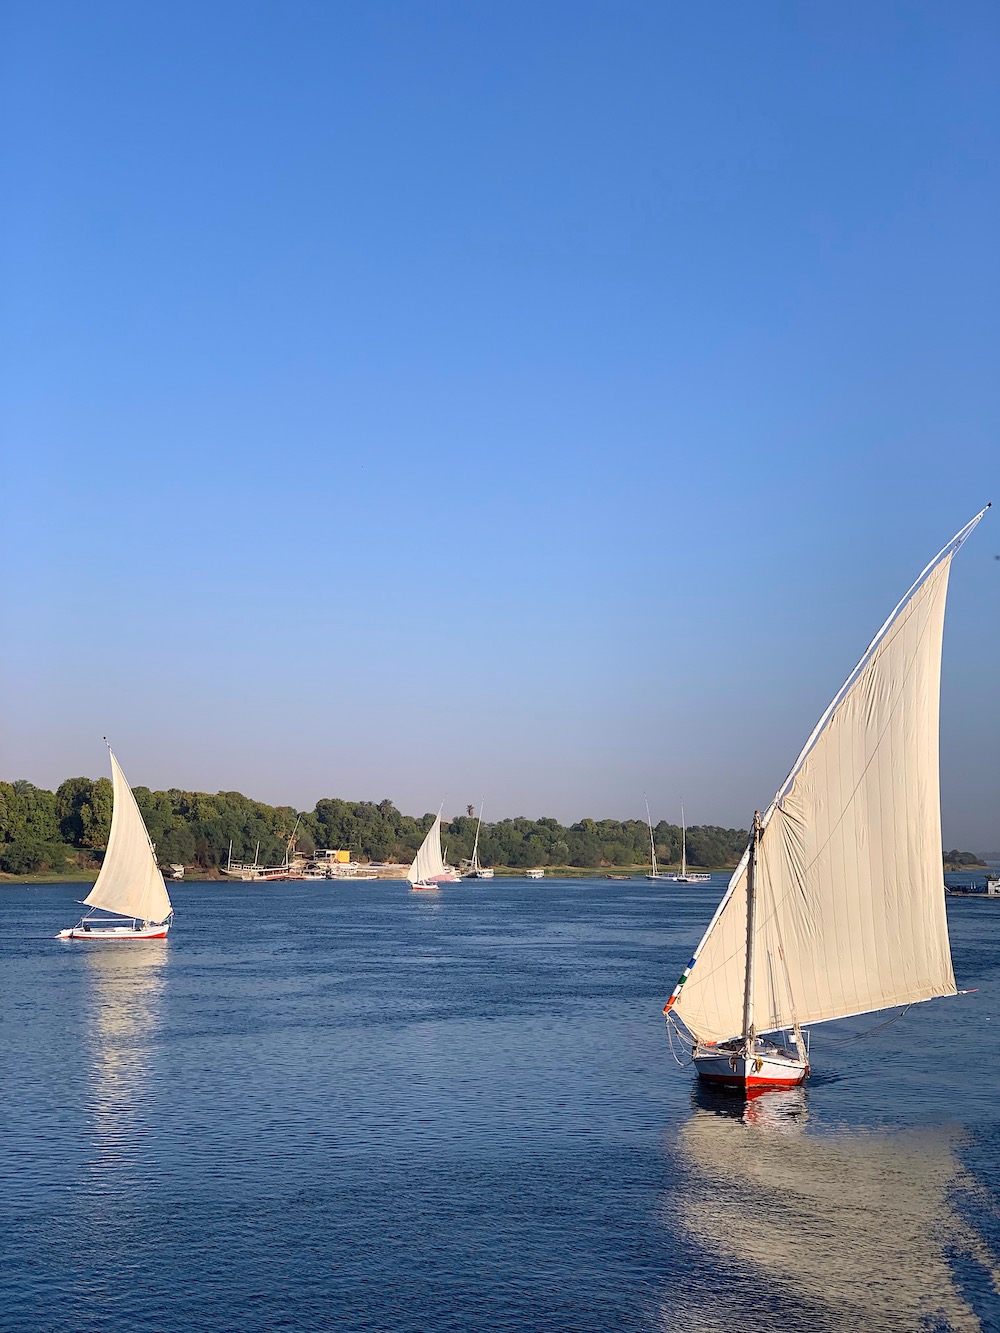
819	1231
124	1004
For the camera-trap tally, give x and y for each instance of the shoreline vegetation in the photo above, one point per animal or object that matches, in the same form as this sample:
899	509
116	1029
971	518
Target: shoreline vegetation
501	872
194	875
63	834
60	836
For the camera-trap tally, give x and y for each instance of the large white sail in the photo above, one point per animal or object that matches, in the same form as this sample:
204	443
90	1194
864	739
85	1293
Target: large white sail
428	861
130	882
850	911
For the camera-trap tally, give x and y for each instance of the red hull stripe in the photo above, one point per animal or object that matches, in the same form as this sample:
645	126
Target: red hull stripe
752	1080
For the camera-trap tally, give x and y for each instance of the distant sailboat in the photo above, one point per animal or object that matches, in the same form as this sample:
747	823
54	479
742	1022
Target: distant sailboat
429	869
130	888
837	907
688	876
477	871
654	873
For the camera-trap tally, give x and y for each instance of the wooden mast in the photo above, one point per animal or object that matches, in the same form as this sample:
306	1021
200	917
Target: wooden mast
748	1024
652	845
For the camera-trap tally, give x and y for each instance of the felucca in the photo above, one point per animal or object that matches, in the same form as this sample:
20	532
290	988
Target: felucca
688	876
837	907
653	873
477	871
130	888
428	869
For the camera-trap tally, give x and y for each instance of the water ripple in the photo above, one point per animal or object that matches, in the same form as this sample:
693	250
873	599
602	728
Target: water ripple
352	1110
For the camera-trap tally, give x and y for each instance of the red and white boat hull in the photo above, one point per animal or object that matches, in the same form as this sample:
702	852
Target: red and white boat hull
730	1069
102	934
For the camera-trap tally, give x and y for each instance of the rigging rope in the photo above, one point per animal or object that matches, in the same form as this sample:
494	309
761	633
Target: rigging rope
881	1027
670	1038
869	1032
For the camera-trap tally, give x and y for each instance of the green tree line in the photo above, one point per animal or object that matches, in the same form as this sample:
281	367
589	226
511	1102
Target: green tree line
48	831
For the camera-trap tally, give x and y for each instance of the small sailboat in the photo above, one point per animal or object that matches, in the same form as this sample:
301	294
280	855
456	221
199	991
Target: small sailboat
653	872
129	891
475	870
429	870
836	908
688	876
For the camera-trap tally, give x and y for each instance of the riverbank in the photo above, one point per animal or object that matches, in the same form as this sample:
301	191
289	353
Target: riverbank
63	877
78	876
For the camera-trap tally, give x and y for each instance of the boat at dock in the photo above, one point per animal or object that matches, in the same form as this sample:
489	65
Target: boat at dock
836	908
292	867
688	876
653	873
473	870
129	891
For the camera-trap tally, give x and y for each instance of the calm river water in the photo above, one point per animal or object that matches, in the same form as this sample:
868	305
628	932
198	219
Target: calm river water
356	1108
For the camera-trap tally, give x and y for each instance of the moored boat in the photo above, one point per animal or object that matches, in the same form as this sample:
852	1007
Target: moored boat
688	876
653	873
474	870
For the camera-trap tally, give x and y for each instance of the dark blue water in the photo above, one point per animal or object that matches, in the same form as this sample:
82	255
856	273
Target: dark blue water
354	1108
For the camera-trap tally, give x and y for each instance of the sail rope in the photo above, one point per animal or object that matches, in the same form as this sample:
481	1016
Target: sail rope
670	1041
872	1032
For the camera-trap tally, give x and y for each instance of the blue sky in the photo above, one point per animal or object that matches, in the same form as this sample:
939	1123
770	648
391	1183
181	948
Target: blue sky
537	401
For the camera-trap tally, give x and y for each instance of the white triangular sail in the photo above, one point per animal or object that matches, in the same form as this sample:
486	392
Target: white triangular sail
428	861
130	883
474	863
850	911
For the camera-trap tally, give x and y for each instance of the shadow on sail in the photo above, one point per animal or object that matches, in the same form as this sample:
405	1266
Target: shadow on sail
818	1231
126	989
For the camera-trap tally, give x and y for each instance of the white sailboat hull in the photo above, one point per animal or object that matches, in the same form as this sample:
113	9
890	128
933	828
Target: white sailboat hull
102	933
483	874
731	1069
425	886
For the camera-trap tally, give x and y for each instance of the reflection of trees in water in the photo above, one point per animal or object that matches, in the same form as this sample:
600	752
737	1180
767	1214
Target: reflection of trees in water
820	1232
124	1013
